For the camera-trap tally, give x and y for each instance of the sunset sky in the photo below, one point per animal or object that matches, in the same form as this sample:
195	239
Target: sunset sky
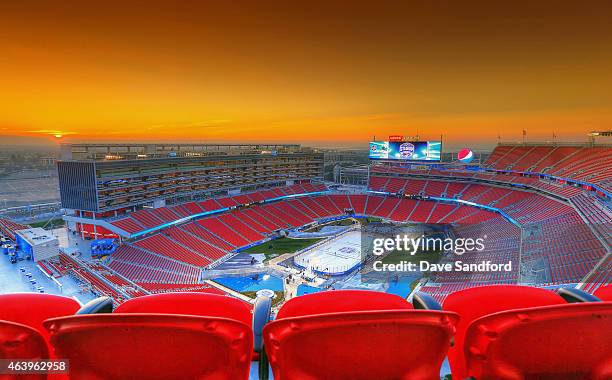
322	73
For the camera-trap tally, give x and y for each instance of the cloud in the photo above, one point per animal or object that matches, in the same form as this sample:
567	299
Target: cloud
207	124
51	132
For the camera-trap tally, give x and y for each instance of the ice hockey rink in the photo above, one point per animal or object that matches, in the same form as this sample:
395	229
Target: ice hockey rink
336	256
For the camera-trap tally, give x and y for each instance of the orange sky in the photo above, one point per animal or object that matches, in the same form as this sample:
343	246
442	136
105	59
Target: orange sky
319	73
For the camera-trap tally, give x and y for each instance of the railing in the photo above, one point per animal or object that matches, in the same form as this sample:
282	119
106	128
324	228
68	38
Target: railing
54	206
552	143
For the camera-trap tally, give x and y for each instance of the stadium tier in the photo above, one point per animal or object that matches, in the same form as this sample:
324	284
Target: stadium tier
556	247
561	243
8	227
586	163
457	181
140	220
554	186
142	265
168	247
94	276
596	213
217	227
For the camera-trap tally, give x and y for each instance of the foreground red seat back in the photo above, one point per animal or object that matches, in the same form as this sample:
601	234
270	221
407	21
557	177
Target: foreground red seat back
32	309
21	342
390	342
473	303
152	346
570	342
604	293
189	303
335	301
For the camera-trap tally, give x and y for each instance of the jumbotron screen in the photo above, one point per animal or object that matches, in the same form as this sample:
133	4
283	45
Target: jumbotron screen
406	150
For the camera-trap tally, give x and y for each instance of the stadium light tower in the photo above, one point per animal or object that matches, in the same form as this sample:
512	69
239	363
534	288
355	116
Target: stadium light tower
592	135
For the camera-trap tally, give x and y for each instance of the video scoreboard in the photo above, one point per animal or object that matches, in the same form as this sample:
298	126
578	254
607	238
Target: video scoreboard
406	150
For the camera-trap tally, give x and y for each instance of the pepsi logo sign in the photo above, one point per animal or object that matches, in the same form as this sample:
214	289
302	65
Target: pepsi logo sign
465	155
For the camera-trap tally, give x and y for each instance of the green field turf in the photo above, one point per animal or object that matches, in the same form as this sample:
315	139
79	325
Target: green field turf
281	246
341	222
280	297
55	223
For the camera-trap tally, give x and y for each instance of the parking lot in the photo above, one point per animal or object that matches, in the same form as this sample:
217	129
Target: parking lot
29	187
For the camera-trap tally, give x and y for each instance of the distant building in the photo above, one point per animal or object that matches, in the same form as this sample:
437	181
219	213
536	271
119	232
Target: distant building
37	243
345	156
48	161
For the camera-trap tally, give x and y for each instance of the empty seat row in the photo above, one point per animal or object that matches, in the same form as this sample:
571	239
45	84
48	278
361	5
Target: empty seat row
493	332
8	227
149	218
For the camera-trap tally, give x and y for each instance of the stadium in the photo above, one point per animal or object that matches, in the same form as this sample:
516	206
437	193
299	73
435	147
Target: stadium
305	190
253	233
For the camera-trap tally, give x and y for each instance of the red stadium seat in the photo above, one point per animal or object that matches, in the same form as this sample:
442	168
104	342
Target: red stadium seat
570	342
338	301
31	309
357	335
152	346
473	303
18	341
189	303
604	293
162	336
